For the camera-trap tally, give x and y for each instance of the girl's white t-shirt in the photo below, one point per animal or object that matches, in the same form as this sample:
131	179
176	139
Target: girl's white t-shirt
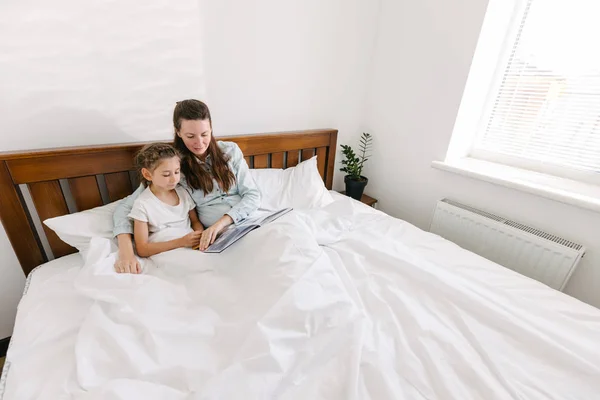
159	215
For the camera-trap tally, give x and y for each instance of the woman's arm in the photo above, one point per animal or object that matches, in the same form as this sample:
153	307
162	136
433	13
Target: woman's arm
246	186
210	234
147	249
248	191
126	260
122	223
123	229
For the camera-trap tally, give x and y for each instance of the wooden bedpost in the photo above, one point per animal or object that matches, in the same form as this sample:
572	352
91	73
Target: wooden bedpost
331	160
17	224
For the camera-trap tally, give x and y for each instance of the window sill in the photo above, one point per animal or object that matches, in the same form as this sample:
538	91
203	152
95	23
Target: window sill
567	191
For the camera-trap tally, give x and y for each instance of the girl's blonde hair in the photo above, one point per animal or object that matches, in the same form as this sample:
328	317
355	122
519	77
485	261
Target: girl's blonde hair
151	155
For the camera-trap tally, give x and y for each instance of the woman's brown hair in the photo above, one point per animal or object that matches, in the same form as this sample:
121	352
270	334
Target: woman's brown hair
197	177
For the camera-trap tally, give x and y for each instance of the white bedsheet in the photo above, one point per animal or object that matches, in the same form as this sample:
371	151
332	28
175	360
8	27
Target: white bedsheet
342	302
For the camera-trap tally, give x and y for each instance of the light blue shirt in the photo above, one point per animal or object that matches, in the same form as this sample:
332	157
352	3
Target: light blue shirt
242	199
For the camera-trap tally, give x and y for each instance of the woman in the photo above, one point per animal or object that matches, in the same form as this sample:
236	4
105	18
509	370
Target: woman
215	174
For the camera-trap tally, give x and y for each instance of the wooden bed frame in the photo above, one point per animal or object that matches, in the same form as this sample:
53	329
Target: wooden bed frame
85	171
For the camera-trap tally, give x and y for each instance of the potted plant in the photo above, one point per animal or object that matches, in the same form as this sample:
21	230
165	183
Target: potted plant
353	166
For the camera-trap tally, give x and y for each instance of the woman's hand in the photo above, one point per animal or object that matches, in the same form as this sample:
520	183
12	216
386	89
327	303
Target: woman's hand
127	264
210	234
126	260
192	239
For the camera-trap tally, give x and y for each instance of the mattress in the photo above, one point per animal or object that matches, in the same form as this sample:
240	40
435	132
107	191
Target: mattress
340	302
56	278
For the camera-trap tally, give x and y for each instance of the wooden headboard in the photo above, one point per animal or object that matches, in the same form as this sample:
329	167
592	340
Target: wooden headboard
96	175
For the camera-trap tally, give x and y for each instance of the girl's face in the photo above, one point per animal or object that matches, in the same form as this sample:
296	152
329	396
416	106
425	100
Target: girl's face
196	135
166	175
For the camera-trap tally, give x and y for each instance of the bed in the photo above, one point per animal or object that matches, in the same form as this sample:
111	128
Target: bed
335	300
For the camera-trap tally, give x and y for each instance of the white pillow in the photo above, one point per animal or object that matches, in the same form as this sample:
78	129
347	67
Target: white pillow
79	228
297	187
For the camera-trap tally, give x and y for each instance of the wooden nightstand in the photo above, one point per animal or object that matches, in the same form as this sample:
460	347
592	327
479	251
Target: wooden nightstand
368	200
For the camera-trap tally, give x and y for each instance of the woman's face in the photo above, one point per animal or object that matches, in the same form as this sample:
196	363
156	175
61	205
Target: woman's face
196	134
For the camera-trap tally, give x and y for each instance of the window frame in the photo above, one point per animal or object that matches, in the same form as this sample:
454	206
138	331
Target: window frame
499	31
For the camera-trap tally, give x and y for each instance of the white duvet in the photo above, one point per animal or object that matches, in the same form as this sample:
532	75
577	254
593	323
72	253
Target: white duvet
342	302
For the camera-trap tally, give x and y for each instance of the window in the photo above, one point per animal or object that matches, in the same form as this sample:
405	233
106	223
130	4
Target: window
537	106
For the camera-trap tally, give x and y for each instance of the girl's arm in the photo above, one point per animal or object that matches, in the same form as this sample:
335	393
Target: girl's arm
196	224
147	249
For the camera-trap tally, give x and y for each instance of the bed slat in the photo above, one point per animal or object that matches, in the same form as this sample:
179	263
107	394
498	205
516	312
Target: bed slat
118	185
134	179
261	161
292	158
277	160
85	192
307	154
50	202
321	160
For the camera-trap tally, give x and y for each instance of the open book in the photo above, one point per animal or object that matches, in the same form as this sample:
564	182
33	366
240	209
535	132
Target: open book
233	233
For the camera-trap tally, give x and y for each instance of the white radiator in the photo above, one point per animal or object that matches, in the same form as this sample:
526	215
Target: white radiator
529	251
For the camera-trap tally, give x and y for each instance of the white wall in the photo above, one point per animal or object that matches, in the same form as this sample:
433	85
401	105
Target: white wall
100	71
421	63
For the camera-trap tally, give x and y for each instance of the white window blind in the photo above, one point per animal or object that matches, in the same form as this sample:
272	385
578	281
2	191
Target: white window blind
544	107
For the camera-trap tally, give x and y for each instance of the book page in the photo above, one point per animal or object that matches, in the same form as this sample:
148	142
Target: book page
234	232
229	236
255	218
265	219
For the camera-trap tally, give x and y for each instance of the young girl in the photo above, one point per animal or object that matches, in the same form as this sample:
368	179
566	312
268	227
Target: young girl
163	206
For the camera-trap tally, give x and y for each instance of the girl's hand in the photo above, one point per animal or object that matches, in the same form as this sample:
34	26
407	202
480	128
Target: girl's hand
192	239
208	236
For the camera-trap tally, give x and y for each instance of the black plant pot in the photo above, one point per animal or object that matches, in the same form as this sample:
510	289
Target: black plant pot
355	188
